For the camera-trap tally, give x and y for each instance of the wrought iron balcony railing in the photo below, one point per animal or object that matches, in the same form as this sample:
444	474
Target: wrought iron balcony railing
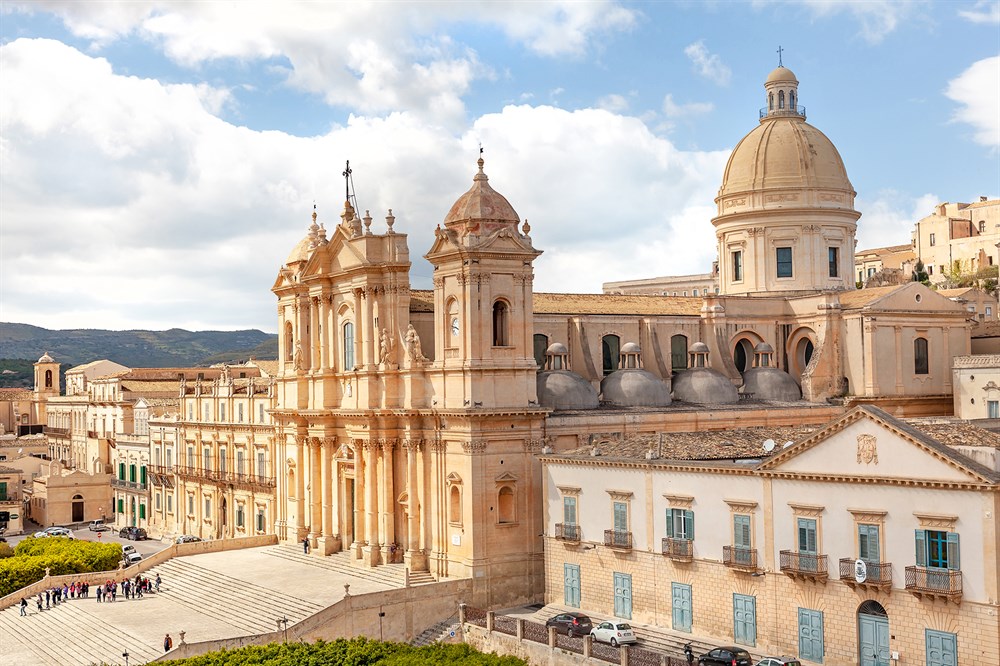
803	565
127	485
932	582
872	574
618	539
568	532
681	550
738	557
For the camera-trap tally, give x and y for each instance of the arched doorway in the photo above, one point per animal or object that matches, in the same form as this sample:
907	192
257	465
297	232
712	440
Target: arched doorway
743	354
78	512
873	634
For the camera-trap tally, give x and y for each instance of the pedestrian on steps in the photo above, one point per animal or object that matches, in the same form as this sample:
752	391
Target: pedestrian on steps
305	545
167	643
24	607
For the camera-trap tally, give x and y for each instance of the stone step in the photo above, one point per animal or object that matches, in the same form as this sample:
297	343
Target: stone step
24	632
390	575
437	633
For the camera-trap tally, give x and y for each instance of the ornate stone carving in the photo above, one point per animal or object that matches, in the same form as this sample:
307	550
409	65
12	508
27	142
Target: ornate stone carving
475	446
867	451
620	495
755	231
387	443
415	444
438	281
813	228
827	196
729	203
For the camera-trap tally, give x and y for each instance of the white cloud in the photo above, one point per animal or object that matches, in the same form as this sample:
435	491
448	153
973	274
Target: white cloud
400	60
888	219
127	203
708	65
877	18
984	11
613	103
674	110
977	92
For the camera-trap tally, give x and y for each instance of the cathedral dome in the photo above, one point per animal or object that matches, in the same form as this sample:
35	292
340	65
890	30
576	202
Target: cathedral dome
482	204
635	387
300	252
564	389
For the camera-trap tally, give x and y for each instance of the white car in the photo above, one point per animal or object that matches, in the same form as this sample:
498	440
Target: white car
614	633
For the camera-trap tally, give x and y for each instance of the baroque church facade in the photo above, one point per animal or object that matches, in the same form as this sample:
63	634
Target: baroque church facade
409	424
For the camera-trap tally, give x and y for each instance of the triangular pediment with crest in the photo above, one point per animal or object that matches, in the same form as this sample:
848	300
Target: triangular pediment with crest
867	443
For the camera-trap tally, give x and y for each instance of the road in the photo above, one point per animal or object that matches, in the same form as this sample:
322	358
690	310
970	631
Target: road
145	548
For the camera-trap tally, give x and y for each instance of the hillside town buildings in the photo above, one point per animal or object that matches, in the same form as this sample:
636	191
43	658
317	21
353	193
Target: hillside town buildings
564	445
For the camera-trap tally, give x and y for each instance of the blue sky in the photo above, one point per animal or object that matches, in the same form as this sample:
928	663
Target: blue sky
159	160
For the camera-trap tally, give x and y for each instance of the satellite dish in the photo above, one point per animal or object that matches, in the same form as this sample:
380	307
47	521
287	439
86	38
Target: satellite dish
769	445
786	445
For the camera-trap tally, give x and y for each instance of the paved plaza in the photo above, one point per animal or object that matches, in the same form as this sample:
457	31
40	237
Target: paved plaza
210	596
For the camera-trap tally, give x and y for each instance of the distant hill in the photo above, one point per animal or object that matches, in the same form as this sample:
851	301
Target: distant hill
135	349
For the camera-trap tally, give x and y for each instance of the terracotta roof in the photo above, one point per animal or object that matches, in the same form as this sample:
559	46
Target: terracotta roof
986	329
81	368
166	374
889	249
140	387
11	394
860	298
958	291
596	304
269	367
956	433
703	445
9	470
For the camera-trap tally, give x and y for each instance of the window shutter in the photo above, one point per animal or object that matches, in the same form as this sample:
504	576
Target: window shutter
670	523
920	539
689	525
954	561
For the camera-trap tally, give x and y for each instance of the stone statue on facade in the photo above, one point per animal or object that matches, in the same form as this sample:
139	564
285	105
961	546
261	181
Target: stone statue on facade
385	348
413	351
297	358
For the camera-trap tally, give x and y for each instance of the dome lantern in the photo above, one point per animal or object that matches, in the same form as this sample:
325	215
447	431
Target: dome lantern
781	95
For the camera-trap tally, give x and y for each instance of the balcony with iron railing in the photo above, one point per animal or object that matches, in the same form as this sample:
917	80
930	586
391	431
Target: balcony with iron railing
807	566
873	574
127	485
679	550
793	112
569	532
618	539
250	481
740	558
934	583
52	431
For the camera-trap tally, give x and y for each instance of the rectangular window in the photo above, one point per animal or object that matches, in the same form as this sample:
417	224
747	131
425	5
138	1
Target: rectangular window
222	460
811	635
206	459
930	269
142	475
131	473
680	524
170	503
937	549
240	462
205	412
222	411
807	536
868	543
941	648
833	256
121	506
932	240
871	271
989	310
190	412
569	510
260	520
190	462
744	619
261	467
621	516
208	507
239	412
142	511
783	256
993	409
191	504
121	471
571	585
737	266
158	501
680	606
239	515
260	413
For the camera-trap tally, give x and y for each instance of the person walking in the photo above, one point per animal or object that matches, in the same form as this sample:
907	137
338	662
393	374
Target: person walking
24	607
305	545
47	596
167	643
39	600
157	582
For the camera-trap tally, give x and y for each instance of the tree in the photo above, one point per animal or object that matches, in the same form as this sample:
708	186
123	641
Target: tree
920	274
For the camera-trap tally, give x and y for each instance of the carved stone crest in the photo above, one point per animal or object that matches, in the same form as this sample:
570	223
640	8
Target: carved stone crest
867	451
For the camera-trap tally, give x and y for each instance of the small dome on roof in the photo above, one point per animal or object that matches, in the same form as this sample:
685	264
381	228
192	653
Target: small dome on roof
634	387
46	358
557	348
699	348
630	348
705	386
781	74
767	383
482	203
763	347
563	389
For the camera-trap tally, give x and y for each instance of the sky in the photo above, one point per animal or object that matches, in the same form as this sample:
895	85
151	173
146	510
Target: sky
159	160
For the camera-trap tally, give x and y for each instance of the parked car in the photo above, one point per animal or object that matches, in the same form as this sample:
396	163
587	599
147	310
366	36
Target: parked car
58	531
571	624
131	558
729	655
128	548
187	538
132	533
614	632
98	526
779	661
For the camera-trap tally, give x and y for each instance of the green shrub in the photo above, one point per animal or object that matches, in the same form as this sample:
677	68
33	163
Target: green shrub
61	556
353	652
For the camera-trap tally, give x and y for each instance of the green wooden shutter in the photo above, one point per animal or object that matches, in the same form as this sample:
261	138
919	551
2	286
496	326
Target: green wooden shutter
142	475
142	510
807	536
569	510
920	539
954	560
741	531
670	523
689	525
621	517
121	471
121	506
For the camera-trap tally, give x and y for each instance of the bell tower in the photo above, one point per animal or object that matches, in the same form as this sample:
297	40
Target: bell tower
483	302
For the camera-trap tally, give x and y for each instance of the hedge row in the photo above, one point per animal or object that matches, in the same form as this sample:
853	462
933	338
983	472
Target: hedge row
353	652
60	555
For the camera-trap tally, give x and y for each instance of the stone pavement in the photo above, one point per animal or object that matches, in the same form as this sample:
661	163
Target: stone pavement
209	596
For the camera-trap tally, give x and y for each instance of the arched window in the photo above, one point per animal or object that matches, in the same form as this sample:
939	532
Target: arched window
289	342
770	101
348	346
455	505
48	379
920	362
678	352
743	354
501	324
791	100
541	343
781	99
505	506
610	351
452	326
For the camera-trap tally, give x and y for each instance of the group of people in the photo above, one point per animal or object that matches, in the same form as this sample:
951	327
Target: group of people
106	592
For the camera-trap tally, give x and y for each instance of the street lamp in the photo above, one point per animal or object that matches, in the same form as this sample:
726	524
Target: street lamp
381	614
125	654
281	621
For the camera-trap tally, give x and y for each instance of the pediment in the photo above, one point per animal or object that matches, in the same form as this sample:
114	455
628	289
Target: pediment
868	443
505	241
506	477
337	256
915	297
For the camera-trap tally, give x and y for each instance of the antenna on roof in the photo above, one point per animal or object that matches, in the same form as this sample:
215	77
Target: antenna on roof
350	195
769	445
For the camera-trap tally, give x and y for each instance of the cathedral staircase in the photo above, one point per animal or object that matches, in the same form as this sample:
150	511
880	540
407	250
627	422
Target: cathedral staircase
391	575
446	630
